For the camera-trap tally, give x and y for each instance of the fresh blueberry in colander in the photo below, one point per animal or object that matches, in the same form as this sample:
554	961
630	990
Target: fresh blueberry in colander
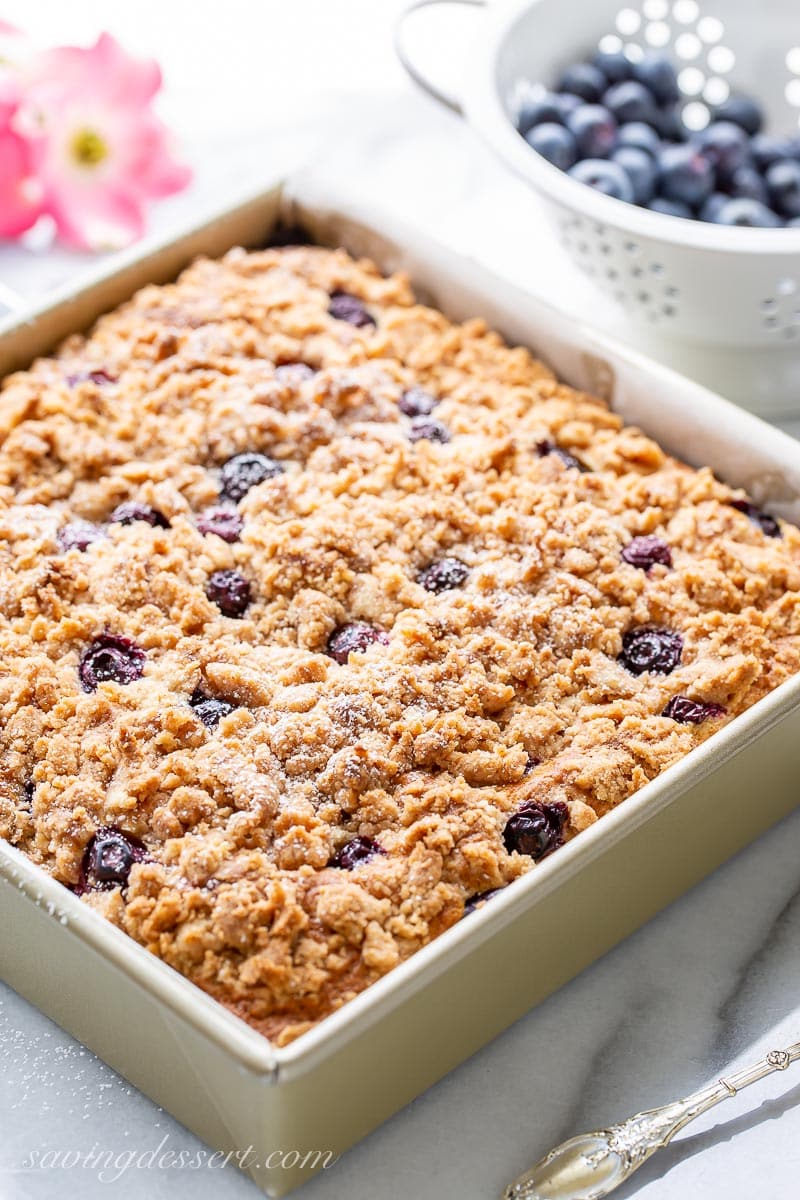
692	712
751	214
535	829
355	852
640	136
670	125
767	148
111	657
615	64
747	183
594	130
712	207
245	471
536	110
631	101
640	168
670	208
108	859
606	177
657	74
783	185
651	648
555	144
743	111
685	174
726	147
584	80
766	523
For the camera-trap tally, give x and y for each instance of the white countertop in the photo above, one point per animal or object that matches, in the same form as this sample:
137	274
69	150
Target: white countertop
713	982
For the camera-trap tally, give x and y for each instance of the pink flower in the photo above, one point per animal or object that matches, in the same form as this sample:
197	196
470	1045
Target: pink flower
21	194
102	151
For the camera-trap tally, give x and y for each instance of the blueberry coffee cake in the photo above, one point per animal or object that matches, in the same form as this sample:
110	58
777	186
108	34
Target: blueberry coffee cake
322	618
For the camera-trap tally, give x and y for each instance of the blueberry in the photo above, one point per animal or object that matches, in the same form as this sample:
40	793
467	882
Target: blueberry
584	80
640	168
747	183
631	101
108	859
355	852
28	792
79	535
766	523
685	174
293	373
783	185
657	74
594	130
131	512
98	377
742	111
670	208
726	147
651	648
767	148
554	143
230	591
641	136
691	712
713	206
606	177
670	125
443	575
479	899
245	471
748	213
546	447
614	64
536	110
354	637
111	657
646	551
226	523
428	429
566	103
209	709
416	402
346	307
531	764
535	829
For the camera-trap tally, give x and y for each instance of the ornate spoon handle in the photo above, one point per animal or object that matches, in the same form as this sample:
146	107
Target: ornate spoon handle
593	1165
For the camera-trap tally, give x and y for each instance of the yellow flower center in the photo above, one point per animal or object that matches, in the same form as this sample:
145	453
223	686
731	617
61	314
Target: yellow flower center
88	148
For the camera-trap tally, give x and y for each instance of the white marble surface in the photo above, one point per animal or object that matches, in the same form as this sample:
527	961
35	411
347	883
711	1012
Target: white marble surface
713	981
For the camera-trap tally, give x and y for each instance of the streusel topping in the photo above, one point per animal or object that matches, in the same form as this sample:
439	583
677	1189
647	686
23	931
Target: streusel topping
322	618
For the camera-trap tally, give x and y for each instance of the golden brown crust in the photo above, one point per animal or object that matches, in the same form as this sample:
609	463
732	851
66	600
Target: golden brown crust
423	744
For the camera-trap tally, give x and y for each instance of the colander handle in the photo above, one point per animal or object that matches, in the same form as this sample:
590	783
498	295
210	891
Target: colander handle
412	70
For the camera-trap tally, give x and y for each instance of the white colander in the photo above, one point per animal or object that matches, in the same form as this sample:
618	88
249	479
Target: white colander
720	303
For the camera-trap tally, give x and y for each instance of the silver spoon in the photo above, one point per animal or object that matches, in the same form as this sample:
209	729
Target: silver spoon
593	1165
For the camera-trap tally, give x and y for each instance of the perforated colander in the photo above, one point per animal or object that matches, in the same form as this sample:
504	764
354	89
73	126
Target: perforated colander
723	303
